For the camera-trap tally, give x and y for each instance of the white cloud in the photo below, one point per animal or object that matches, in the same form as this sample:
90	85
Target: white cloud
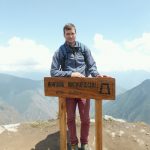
134	54
24	55
141	45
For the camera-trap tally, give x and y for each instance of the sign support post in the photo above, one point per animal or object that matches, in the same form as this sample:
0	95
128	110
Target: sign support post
62	123
98	125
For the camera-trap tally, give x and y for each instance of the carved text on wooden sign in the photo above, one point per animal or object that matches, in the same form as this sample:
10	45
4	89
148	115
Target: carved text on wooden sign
80	87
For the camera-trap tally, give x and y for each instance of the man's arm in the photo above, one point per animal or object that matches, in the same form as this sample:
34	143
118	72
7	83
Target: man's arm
91	65
56	70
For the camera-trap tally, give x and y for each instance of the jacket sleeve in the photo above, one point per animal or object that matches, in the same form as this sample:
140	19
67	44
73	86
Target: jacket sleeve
56	70
91	64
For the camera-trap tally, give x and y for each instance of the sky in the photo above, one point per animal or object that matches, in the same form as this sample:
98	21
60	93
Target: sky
117	33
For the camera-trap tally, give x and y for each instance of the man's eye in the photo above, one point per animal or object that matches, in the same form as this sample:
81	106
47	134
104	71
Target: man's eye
70	34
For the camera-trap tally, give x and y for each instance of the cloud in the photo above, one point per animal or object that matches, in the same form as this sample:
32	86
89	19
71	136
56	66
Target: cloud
112	56
24	55
141	45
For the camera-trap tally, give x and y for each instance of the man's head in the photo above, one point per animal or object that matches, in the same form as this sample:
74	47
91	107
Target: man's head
70	33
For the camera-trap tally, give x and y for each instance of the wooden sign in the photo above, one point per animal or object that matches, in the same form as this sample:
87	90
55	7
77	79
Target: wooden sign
96	88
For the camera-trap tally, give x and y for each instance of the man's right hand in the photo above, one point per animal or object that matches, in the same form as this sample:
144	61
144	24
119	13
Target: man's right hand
77	74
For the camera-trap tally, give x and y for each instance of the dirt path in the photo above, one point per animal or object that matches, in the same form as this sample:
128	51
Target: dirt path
45	136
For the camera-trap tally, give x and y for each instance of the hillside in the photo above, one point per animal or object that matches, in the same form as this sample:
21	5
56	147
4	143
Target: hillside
8	114
45	136
26	98
23	100
133	105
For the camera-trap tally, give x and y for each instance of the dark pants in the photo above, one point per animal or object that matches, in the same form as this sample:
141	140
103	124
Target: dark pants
84	108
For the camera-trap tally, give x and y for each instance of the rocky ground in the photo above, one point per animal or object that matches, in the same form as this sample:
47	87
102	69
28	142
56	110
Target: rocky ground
117	135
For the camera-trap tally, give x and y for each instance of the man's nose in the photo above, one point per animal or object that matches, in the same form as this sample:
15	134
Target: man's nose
70	36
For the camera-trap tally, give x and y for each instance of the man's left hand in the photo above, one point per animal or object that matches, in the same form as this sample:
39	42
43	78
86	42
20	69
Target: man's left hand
102	76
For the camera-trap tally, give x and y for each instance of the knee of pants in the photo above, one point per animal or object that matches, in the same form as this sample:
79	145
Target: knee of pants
70	119
85	121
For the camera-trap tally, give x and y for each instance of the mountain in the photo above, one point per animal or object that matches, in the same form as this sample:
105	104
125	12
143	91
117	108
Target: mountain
26	97
8	114
124	79
133	105
120	90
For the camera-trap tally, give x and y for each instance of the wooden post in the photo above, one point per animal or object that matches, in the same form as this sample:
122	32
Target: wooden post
98	125
62	123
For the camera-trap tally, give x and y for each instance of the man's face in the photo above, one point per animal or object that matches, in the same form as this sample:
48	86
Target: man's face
70	36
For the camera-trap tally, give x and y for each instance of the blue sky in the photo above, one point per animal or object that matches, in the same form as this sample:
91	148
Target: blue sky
117	32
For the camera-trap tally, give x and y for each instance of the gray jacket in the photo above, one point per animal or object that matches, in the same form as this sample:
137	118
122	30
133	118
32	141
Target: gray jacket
77	59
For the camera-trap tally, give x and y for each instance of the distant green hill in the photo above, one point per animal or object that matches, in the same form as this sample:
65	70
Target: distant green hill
133	105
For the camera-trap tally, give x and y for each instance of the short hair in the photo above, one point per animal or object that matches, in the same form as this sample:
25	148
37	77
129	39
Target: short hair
69	26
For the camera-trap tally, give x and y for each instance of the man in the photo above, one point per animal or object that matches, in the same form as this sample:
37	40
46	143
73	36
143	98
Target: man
73	59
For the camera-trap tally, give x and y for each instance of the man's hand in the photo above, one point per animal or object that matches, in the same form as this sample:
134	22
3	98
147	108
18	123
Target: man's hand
77	74
103	76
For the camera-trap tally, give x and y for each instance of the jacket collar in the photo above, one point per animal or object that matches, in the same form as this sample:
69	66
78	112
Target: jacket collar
68	49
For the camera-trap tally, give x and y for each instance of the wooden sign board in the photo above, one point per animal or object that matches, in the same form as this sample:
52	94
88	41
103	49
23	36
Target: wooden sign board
96	88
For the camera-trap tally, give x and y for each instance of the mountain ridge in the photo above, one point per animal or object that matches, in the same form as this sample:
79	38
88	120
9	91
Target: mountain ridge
133	105
26	97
